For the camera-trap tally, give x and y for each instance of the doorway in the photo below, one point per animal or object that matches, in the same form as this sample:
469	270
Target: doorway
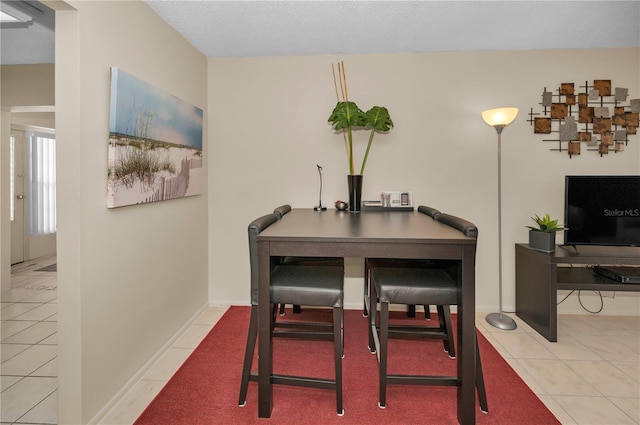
17	192
32	193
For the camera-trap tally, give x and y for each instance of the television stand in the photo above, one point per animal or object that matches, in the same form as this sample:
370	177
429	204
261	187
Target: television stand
539	275
563	246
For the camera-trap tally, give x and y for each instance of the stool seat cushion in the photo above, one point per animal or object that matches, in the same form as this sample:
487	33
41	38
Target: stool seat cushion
413	285
303	285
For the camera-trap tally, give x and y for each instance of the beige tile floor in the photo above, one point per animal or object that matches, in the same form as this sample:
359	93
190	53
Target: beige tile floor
591	376
28	356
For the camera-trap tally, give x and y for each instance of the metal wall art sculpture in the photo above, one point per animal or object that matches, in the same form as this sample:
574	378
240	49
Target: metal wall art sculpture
597	116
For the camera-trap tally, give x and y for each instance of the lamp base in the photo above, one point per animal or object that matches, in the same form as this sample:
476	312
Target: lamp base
319	208
501	321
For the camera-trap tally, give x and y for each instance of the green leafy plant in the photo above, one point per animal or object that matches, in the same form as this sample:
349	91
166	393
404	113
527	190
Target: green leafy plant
546	224
347	116
379	121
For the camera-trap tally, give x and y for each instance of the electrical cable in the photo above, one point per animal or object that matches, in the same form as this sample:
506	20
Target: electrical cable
580	299
568	295
586	309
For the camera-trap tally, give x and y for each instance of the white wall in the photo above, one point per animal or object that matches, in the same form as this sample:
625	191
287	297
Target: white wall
129	278
40	246
268	130
28	85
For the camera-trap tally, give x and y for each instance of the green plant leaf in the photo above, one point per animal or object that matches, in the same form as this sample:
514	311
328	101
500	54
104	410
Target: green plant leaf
378	119
546	224
346	115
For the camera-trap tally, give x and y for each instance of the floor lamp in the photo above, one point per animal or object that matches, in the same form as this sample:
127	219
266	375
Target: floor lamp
499	118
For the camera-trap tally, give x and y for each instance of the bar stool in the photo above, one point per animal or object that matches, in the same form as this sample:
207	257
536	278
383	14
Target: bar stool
443	329
321	261
313	285
416	285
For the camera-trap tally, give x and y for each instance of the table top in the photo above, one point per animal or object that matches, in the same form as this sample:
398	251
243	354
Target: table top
342	226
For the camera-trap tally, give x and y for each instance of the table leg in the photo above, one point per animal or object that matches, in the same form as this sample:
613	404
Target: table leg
265	351
466	338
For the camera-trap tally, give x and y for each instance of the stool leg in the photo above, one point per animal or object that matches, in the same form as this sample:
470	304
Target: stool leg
482	394
366	299
338	351
373	312
427	312
248	355
384	340
444	315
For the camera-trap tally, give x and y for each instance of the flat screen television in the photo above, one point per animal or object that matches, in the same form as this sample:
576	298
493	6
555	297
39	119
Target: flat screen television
602	210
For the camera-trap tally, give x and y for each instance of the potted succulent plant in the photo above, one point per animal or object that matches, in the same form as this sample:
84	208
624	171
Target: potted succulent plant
347	117
543	236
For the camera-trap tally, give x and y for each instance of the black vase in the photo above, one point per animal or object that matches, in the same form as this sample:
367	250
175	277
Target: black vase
355	192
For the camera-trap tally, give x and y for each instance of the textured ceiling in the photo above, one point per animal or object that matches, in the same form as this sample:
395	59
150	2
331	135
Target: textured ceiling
289	28
34	43
268	28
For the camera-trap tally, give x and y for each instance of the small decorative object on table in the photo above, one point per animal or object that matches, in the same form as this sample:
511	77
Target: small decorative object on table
543	237
341	205
319	207
396	198
345	117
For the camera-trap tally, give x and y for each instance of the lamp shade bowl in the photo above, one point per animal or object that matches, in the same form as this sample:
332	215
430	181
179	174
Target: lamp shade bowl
499	116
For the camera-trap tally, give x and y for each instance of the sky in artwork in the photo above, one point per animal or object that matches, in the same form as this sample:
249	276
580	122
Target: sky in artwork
141	110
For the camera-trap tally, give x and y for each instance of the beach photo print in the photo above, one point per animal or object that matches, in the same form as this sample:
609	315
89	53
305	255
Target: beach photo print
155	144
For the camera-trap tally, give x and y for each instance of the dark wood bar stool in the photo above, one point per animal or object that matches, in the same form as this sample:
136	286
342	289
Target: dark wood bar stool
443	329
321	261
314	285
420	286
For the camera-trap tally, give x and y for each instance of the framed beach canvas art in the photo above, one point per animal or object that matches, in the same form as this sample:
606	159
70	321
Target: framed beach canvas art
155	144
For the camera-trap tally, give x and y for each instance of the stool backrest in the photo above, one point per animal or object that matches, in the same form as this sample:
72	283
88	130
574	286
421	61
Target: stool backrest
282	210
465	226
257	226
430	211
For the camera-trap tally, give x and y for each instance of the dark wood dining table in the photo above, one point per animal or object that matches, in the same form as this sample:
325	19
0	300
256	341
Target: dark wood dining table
394	234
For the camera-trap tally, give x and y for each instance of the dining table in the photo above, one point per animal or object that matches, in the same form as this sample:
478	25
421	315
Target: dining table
370	234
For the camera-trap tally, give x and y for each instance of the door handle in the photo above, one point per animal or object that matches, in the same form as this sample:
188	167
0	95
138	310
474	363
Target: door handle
20	196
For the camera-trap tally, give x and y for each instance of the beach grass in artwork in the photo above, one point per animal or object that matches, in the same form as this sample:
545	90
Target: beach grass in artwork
155	144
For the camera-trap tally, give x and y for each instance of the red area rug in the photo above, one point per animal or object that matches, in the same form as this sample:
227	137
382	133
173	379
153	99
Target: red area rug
205	389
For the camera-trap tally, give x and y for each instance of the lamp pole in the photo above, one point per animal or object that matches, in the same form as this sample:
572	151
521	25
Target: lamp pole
500	320
499	119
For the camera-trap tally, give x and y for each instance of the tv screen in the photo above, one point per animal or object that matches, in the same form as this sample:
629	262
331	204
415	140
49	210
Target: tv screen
602	210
